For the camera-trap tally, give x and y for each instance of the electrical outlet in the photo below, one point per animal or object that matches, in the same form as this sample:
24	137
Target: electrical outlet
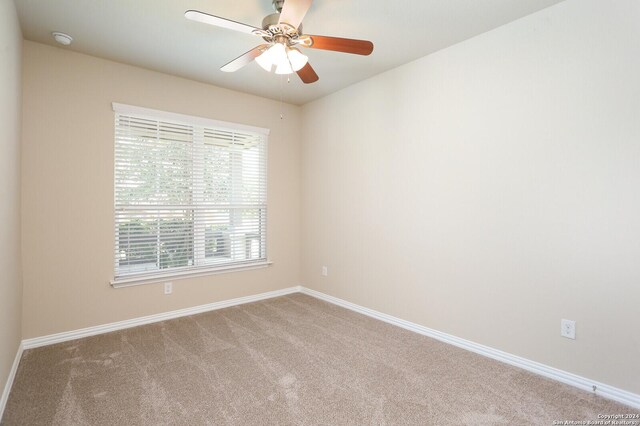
568	329
325	271
168	288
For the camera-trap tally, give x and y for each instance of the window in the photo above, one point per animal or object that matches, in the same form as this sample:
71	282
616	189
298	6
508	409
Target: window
190	195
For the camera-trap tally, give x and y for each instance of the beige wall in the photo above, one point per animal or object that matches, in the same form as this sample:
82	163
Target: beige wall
486	191
10	113
68	189
491	189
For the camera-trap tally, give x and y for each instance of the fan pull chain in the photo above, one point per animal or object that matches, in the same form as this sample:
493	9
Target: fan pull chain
281	94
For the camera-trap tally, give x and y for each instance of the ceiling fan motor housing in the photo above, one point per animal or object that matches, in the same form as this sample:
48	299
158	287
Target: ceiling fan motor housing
271	24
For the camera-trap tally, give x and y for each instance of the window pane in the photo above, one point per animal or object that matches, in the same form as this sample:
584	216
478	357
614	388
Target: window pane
176	240
217	174
253	185
153	240
234	234
137	249
154	168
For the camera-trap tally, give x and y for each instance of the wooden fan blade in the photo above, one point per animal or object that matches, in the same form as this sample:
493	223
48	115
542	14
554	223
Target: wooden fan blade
293	12
245	59
307	74
345	45
198	16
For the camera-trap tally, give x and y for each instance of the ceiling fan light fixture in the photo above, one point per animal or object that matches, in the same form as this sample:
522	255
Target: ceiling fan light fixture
270	57
284	69
297	59
264	62
286	60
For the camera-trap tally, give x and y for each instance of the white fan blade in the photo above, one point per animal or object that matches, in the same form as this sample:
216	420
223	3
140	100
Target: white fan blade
293	12
244	59
205	18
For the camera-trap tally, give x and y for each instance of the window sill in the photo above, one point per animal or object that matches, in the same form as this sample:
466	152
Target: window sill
178	275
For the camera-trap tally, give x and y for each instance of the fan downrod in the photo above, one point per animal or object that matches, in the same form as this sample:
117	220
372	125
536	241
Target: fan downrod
277	5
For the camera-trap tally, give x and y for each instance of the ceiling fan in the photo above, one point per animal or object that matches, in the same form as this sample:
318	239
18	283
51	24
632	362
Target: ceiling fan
282	32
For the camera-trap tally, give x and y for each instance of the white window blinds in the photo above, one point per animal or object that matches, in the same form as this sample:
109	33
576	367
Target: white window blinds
190	194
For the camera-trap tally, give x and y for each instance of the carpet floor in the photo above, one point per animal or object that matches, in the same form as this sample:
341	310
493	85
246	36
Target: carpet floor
288	360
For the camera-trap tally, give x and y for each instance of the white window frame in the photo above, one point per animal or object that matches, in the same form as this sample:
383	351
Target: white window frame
177	273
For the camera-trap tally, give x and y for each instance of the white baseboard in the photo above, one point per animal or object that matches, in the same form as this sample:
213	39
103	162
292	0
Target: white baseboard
121	325
601	389
9	383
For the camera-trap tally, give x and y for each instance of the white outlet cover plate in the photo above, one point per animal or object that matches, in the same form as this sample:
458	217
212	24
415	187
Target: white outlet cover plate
168	288
568	328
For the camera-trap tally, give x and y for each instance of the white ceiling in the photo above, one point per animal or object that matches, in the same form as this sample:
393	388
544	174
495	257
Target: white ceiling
154	34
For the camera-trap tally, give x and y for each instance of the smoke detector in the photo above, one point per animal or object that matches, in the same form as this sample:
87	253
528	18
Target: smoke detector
62	38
